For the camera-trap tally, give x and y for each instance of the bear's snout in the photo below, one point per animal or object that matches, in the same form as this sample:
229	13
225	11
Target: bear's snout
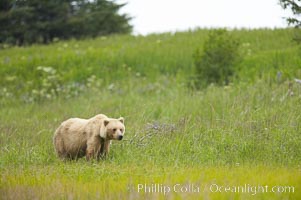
120	137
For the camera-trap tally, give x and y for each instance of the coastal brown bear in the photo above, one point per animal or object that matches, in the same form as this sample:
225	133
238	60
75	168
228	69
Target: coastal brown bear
77	137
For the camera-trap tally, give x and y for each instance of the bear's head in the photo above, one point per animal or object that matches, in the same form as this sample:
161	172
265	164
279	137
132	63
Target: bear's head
114	128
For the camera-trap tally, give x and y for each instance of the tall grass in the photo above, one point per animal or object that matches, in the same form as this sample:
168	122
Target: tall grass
116	58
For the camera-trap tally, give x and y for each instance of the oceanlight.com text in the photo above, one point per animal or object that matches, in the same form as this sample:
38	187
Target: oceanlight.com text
251	189
212	188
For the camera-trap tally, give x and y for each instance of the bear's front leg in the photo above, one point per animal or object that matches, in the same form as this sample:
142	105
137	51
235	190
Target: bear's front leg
93	149
90	153
105	148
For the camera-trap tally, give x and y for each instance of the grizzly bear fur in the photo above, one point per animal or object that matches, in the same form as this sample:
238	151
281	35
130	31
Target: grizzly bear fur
77	137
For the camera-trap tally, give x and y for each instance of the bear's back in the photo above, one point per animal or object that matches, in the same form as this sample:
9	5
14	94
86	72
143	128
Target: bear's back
99	117
74	124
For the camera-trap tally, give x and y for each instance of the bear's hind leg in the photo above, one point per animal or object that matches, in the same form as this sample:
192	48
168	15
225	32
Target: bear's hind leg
59	147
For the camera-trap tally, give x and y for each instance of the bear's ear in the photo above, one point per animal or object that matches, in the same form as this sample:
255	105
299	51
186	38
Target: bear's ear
121	119
106	122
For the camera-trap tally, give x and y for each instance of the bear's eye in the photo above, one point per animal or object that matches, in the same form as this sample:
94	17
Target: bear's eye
114	129
121	130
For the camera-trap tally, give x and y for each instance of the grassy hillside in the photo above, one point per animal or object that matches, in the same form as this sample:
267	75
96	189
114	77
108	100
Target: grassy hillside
244	134
68	66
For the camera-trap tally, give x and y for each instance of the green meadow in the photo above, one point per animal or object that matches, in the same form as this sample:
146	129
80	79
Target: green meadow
240	141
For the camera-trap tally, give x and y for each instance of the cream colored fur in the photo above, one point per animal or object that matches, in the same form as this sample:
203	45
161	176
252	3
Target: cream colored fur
77	137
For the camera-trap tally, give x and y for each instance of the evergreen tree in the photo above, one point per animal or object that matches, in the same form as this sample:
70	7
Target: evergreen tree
32	21
295	6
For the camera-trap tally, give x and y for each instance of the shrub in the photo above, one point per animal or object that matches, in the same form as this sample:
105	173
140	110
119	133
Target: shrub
216	63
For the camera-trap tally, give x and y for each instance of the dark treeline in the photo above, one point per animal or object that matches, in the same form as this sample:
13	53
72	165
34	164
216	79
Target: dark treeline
41	21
